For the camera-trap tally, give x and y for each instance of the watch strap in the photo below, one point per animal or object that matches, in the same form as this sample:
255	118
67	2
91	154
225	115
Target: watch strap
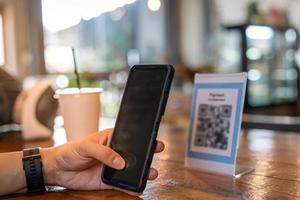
32	166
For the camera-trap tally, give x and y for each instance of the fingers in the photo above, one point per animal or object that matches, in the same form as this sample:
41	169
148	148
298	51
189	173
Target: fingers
101	137
105	136
109	136
102	153
160	146
107	155
153	174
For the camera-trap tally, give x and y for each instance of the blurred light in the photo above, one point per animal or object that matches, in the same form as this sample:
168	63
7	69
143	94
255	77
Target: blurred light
279	74
259	32
133	57
29	82
230	55
62	81
291	74
253	54
154	5
62	14
254	74
59	135
56	55
290	35
119	78
290	54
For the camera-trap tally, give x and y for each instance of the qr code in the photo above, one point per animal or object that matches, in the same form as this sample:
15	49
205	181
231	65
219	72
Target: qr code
212	126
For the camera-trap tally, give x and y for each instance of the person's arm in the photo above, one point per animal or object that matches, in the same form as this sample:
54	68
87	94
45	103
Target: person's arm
76	165
11	173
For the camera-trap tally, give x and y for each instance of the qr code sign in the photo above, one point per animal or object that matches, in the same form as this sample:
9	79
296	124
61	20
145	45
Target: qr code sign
212	126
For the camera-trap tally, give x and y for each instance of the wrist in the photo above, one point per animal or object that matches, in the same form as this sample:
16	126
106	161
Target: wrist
49	165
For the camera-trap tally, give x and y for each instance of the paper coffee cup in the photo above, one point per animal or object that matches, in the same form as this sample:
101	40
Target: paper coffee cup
80	110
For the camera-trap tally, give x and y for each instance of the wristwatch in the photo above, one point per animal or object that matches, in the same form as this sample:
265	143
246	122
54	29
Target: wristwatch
33	168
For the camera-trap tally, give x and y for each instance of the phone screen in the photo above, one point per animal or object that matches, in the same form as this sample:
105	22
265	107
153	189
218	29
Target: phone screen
135	124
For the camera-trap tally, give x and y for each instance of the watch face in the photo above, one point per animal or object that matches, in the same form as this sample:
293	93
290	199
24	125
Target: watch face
31	152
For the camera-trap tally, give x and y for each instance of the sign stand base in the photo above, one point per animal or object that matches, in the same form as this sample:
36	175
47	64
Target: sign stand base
242	170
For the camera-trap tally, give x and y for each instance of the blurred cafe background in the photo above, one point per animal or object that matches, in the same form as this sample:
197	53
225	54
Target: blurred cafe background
195	36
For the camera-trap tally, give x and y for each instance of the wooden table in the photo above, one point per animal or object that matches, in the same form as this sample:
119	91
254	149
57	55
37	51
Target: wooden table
275	157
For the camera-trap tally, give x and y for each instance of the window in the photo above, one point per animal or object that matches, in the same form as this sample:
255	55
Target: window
107	35
100	32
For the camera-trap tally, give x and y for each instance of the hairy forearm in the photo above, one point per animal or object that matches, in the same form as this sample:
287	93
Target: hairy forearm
12	175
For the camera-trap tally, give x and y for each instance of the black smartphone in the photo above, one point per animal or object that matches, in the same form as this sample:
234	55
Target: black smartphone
134	137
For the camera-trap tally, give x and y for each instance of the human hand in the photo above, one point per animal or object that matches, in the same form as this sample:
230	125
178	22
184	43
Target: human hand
78	164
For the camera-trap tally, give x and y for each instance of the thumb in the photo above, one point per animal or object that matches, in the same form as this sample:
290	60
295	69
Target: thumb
102	153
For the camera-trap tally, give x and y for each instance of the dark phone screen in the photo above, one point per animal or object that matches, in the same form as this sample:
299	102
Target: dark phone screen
135	123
